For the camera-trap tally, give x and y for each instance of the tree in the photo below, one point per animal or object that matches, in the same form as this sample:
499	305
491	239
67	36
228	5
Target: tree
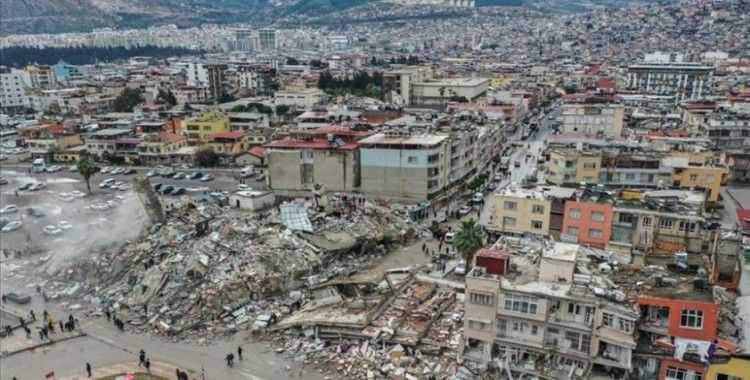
282	109
206	158
468	239
87	169
128	98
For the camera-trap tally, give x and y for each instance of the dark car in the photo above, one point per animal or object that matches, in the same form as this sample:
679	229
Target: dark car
35	212
19	298
26	186
167	189
178	191
158	187
195	175
129	171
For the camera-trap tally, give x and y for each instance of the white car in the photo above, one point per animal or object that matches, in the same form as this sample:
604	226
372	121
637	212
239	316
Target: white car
12	226
152	173
105	170
477	198
116	185
124	187
99	206
38	186
77	194
112	204
464	210
8	209
73	168
53	168
448	238
207	177
51	230
243	187
117	171
106	183
64	225
460	269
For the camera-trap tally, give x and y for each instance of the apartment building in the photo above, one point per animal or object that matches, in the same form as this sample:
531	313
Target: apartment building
683	80
157	148
303	99
397	84
13	97
727	131
66	72
543	320
404	166
588	222
440	92
573	166
40	76
592	114
296	166
207	76
197	130
103	141
520	211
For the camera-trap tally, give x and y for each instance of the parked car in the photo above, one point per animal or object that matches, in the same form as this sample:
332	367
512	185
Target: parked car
12	226
3	181
243	187
106	183
261	177
26	186
152	173
64	225
247	172
8	209
117	171
178	191
178	175
158	186
37	186
167	189
18	297
105	170
207	177
77	194
460	269
464	210
35	212
53	168
448	238
195	175
4	221
477	198
51	230
129	171
167	172
116	185
73	168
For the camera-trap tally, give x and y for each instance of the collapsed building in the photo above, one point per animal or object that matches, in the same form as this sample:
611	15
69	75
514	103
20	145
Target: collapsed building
208	270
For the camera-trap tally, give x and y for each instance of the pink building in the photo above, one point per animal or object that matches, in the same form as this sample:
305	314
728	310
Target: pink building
587	223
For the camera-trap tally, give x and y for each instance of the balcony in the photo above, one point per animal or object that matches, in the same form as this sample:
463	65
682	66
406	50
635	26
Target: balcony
521	339
578	322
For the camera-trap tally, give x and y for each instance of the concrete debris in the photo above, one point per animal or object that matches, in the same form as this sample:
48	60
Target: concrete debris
208	271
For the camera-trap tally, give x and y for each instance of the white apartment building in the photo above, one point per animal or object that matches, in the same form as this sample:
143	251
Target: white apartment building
12	90
591	114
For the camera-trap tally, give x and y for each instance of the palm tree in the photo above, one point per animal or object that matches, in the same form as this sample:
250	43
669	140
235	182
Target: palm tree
468	239
87	169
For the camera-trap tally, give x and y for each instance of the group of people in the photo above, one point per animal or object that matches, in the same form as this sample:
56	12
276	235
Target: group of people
117	321
144	361
46	328
230	357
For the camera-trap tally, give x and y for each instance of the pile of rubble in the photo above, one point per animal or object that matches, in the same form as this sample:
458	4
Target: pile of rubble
210	270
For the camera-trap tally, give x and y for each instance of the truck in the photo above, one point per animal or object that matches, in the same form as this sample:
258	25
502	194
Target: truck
504	162
39	166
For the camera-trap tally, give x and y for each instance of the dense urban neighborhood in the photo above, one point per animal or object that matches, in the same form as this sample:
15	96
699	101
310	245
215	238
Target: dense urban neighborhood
421	189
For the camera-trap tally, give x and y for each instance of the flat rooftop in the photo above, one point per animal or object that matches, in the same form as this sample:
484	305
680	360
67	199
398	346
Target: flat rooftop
455	82
415	139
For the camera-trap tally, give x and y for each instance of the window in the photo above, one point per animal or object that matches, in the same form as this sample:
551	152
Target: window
574	309
480	299
608	320
692	319
646	221
509	222
666	223
630	176
508	205
516	326
709	179
723	376
412	159
573	231
534	330
625	218
595	234
578	341
575	213
589	165
502	325
693	177
597	216
537	209
686	226
625	325
536	224
479	326
521	304
674	373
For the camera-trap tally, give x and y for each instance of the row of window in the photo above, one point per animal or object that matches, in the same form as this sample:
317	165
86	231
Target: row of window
596	216
593	232
511	222
513	206
611	321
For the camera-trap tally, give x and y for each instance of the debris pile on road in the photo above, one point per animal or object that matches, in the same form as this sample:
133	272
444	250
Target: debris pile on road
209	270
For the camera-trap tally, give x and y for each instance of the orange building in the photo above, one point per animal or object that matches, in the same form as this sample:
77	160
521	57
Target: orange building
684	318
587	223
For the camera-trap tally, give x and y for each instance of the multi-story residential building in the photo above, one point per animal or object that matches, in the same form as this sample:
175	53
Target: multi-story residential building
209	77
573	166
13	97
549	325
683	80
441	91
198	129
304	99
728	131
66	72
587	222
397	84
228	145
254	77
103	141
245	40
520	211
591	114
40	76
295	166
708	178
157	148
407	167
189	95
52	139
267	39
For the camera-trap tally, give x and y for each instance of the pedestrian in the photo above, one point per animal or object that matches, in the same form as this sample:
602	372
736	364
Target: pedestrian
4	297
177	373
61	325
21	321
424	247
16	193
88	369
108	314
230	359
46	314
147	364
33	316
141	357
28	332
51	326
239	352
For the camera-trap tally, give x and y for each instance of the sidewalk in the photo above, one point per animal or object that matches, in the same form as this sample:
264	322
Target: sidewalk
19	343
164	370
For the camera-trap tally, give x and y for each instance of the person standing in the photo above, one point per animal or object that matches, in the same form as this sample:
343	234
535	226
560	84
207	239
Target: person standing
147	364
141	357
88	369
239	352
